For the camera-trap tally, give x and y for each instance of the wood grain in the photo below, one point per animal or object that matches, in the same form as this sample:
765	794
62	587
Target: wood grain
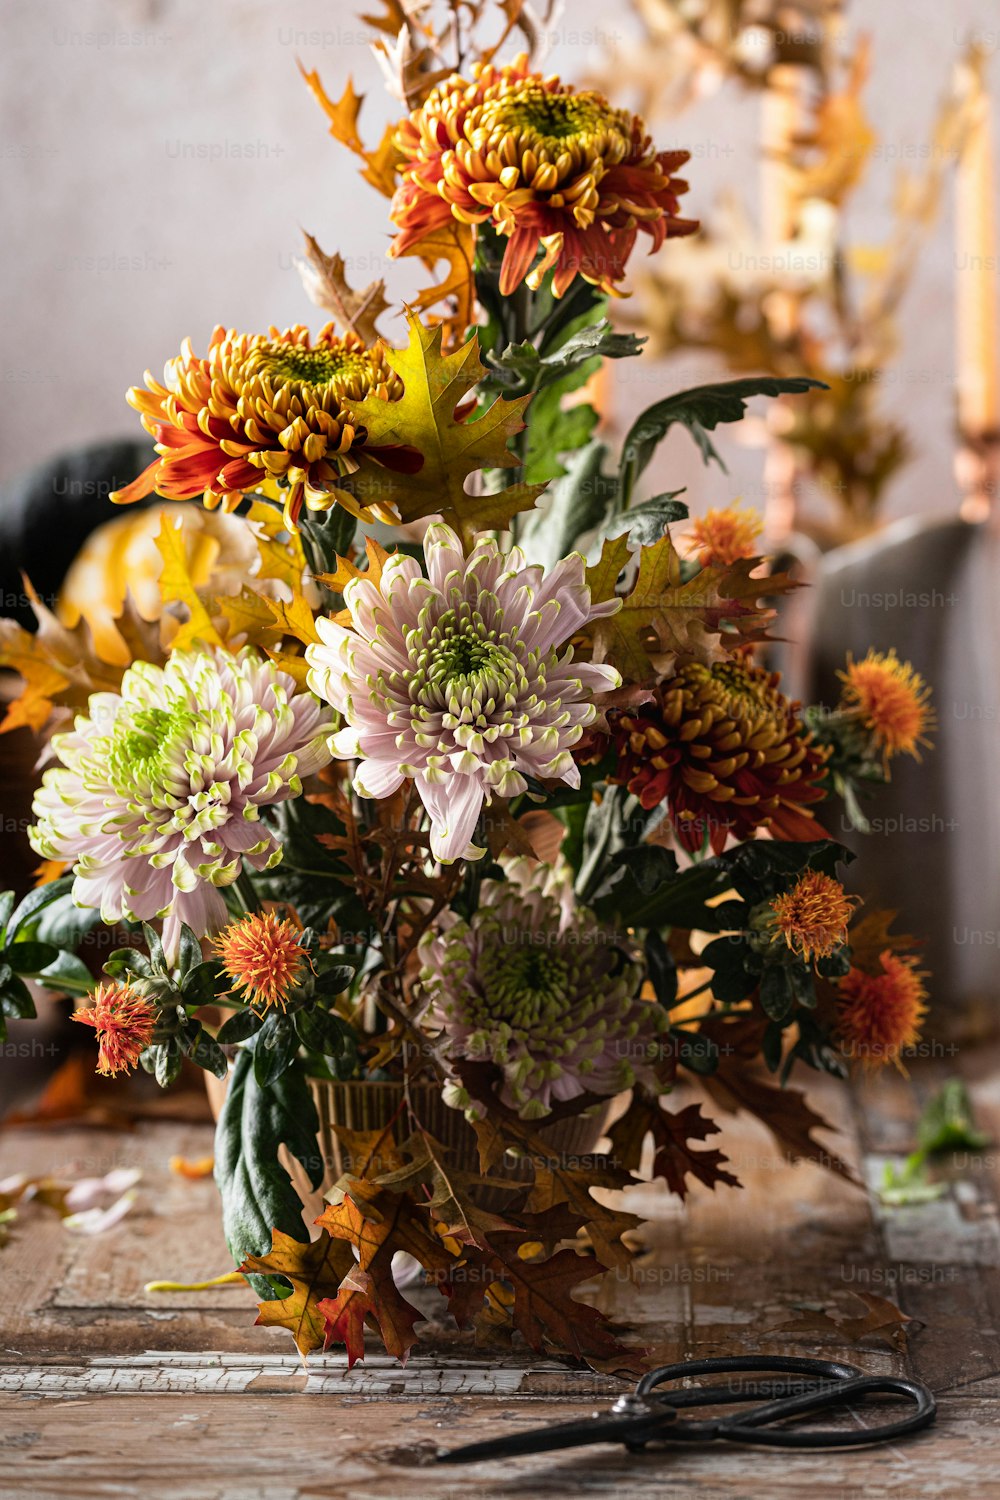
107	1390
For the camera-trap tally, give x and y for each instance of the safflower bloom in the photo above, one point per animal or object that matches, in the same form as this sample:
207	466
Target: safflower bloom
263	955
258	407
550	168
124	1022
726	751
158	799
892	702
879	1015
536	985
720	538
462	679
812	917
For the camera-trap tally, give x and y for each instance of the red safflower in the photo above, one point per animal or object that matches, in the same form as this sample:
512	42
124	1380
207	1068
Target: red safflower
124	1023
879	1015
550	168
263	955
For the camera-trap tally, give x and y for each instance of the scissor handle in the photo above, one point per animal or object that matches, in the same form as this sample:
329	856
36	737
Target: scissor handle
831	1384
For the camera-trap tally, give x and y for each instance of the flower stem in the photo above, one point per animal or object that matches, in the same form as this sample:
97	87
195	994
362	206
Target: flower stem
243	886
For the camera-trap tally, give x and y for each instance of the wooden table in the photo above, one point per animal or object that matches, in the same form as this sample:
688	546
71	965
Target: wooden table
108	1391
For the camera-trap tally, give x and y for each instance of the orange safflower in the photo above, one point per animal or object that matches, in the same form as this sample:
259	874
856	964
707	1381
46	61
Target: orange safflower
891	700
550	168
124	1023
258	407
262	954
879	1015
720	538
812	917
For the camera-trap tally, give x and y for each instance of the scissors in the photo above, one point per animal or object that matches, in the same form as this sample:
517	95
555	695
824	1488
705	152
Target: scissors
803	1387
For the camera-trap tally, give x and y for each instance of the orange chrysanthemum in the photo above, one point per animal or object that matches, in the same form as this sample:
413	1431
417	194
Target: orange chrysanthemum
124	1022
720	538
258	407
891	700
879	1015
812	917
263	955
550	168
725	749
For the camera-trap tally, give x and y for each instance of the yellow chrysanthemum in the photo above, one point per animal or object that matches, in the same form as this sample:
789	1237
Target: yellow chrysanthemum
879	1015
812	917
263	955
258	407
720	538
891	700
548	167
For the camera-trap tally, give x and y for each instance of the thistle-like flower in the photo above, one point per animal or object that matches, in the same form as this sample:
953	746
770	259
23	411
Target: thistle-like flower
891	701
261	406
124	1022
879	1015
812	917
461	679
158	798
263	955
548	167
536	985
720	538
726	750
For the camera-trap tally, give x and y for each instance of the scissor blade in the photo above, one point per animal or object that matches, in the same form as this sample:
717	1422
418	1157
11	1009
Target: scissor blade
601	1428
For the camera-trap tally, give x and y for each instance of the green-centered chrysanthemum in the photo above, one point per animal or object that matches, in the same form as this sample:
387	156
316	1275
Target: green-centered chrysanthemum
158	794
536	985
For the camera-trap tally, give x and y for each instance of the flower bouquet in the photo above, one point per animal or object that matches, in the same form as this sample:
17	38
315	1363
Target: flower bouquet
445	806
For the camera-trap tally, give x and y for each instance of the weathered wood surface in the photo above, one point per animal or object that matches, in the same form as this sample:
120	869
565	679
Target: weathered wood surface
108	1391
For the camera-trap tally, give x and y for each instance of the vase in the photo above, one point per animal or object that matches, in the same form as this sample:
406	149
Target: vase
369	1106
928	588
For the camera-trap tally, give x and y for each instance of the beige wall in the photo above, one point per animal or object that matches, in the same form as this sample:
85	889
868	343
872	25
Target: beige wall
159	157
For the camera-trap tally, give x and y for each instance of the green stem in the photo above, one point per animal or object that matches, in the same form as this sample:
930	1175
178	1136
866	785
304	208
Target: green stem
243	887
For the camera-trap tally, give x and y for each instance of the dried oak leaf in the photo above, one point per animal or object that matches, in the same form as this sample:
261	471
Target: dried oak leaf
379	165
882	1319
675	1157
315	1271
325	280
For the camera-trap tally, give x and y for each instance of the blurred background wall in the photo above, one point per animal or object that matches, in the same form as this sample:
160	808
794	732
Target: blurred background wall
161	156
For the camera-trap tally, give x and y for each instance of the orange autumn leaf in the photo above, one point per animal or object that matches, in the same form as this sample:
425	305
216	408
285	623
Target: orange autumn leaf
315	1272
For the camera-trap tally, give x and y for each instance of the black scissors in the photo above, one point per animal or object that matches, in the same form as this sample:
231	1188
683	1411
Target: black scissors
804	1387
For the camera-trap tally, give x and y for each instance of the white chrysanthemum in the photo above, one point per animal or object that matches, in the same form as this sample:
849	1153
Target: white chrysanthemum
536	985
158	800
462	679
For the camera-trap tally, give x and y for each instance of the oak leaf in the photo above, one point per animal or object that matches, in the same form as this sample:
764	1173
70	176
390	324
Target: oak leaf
675	1157
342	113
881	1319
433	417
315	1271
325	280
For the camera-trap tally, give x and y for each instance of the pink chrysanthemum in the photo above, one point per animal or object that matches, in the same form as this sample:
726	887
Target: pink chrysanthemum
462	680
536	985
158	800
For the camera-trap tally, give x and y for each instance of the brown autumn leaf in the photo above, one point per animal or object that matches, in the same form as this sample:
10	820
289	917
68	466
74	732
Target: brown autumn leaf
568	1188
450	1189
325	280
881	1319
315	1271
738	1084
674	1136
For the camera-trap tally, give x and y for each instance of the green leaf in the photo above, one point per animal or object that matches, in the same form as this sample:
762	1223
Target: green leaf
205	1052
189	951
571	507
661	969
646	523
553	431
203	983
947	1123
528	369
699	410
777	998
157	957
15	997
321	1031
69	973
729	958
274	1050
240	1027
257	1193
6	907
31	958
35	901
128	961
334	981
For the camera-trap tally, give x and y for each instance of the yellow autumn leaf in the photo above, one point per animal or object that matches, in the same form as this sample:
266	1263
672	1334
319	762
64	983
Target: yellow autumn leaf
176	587
430	417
